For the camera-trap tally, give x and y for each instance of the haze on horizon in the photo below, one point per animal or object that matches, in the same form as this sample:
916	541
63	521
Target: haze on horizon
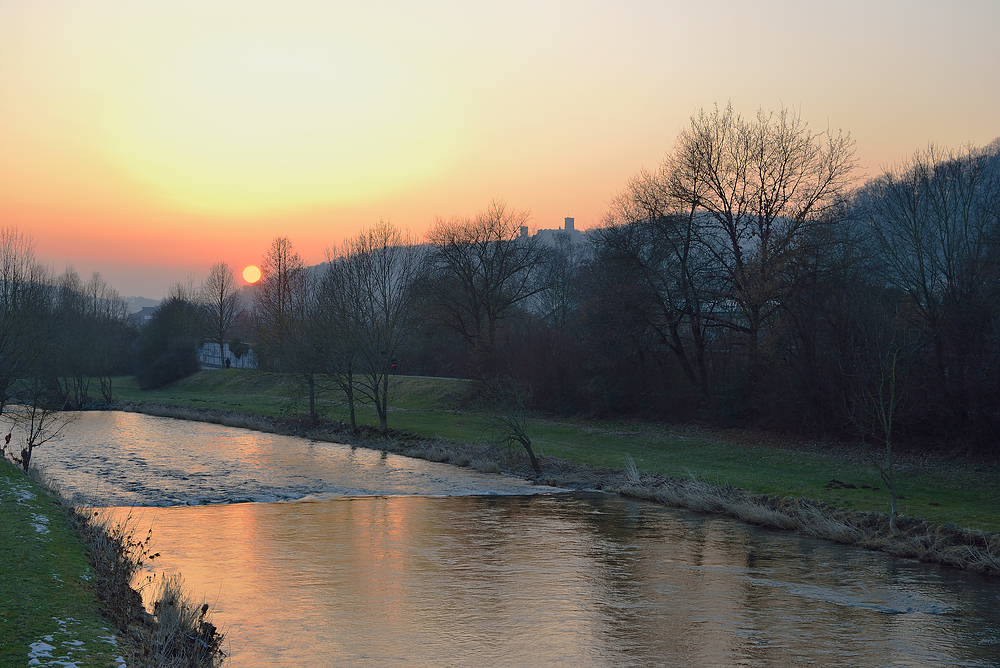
149	140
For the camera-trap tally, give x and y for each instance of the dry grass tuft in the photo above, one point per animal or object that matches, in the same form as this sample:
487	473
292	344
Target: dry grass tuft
969	550
182	635
176	635
484	464
117	556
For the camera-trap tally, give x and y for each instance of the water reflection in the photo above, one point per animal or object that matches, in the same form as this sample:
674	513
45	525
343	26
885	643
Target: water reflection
397	562
562	580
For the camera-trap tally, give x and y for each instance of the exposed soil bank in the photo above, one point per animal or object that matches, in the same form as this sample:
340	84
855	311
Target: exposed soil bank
965	549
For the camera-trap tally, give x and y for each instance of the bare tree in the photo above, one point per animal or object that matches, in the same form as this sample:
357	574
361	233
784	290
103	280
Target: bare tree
756	187
25	301
69	360
657	244
90	330
507	423
878	362
333	319
560	295
281	317
40	418
279	304
379	268
221	305
479	270
935	223
111	316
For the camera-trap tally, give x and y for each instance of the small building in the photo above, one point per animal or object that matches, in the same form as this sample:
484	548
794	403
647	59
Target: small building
142	317
208	356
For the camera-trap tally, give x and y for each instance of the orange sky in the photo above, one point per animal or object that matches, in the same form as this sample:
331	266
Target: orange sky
148	140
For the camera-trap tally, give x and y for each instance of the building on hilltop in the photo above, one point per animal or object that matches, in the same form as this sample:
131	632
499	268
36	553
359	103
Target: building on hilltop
568	233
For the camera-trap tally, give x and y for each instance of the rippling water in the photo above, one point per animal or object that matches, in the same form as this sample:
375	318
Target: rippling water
118	459
452	568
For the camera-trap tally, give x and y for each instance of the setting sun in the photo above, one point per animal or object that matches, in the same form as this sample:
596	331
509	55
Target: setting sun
251	274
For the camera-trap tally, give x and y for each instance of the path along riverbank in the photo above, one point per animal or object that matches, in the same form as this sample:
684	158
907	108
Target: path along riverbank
971	550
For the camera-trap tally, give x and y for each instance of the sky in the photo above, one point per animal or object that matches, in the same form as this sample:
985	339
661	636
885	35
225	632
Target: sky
148	140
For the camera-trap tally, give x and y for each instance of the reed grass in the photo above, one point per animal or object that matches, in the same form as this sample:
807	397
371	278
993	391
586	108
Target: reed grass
969	550
175	634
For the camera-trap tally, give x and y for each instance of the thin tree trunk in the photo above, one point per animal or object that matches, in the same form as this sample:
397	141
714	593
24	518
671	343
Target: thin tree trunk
531	455
312	398
350	399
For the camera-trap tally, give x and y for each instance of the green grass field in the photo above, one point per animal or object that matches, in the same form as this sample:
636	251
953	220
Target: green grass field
946	492
47	610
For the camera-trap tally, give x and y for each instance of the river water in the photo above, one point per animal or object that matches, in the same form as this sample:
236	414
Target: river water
341	557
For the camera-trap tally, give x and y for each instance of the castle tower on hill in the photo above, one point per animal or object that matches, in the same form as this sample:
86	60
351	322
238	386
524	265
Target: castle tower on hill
568	231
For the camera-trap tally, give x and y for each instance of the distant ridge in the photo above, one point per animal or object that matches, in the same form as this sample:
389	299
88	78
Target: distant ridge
136	304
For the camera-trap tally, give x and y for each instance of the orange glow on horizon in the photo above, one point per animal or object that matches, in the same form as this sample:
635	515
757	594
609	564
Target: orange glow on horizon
148	141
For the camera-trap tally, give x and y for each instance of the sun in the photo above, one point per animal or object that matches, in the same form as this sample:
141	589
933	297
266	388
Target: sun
251	274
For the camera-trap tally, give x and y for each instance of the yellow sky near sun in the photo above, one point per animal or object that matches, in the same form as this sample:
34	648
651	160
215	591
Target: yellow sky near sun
248	125
149	140
239	122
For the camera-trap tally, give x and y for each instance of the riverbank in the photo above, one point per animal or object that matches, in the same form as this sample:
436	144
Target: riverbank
943	488
66	596
48	609
969	549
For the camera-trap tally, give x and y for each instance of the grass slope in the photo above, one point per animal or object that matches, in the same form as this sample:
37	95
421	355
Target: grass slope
47	610
941	491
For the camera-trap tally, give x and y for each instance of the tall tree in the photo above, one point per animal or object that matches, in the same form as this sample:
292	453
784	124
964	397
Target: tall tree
935	224
479	269
560	296
279	304
757	187
281	317
91	329
333	323
650	239
380	267
221	305
116	333
25	301
165	350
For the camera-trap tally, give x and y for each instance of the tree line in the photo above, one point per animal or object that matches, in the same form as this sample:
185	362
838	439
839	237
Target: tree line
61	340
751	278
748	279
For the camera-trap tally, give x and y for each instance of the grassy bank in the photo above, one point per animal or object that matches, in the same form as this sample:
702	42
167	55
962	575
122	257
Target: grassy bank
66	596
947	491
48	609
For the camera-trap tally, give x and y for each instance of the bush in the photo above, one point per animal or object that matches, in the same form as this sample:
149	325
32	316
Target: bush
166	349
179	360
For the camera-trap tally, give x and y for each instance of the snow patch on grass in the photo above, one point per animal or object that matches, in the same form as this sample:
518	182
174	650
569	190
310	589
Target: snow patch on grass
40	523
63	649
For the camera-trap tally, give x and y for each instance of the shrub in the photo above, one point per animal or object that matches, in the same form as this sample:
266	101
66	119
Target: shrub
166	350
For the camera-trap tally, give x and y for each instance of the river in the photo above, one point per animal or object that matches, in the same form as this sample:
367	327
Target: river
316	554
